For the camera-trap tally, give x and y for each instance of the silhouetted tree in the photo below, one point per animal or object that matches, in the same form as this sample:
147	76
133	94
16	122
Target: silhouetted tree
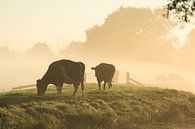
131	33
75	49
40	50
181	9
128	34
5	52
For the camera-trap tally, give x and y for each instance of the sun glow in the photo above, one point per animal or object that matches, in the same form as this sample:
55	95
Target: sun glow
180	34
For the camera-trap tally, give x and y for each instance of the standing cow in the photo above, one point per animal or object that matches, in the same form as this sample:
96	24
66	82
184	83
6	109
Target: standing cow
62	71
104	72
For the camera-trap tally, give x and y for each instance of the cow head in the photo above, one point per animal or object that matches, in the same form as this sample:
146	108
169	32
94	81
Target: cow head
41	87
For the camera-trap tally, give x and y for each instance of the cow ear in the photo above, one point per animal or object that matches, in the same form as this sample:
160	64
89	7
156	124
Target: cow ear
93	68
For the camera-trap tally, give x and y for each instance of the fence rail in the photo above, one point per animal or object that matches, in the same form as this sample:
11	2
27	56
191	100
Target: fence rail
23	87
122	78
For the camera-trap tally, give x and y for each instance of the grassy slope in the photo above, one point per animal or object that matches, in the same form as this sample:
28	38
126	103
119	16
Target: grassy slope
122	107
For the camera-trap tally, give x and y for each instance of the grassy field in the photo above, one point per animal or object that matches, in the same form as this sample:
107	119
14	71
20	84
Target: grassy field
122	107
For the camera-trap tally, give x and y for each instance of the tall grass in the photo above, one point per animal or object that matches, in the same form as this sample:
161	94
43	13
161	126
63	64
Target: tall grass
122	107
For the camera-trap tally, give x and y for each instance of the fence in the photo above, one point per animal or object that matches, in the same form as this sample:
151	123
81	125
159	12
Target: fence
23	87
122	78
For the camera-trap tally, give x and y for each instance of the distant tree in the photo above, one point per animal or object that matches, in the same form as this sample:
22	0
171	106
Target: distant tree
6	52
73	50
40	50
183	10
133	33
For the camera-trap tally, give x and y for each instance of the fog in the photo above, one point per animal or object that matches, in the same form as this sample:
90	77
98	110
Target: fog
134	40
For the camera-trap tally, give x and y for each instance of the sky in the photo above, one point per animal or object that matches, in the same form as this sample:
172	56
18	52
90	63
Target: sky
55	22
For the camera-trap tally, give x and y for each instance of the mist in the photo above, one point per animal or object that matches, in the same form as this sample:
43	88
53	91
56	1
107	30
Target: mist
134	40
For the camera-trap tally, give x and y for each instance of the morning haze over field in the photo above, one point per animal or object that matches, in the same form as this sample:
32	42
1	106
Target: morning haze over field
97	64
132	35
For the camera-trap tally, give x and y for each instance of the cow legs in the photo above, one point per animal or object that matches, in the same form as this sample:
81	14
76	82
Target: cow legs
104	85
82	88
99	84
59	88
75	89
110	84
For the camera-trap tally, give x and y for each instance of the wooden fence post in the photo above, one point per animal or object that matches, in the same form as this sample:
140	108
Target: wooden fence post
115	78
127	77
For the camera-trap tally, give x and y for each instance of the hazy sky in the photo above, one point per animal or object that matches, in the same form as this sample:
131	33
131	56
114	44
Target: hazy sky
57	22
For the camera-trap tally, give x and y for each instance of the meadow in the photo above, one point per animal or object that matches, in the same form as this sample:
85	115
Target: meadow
121	107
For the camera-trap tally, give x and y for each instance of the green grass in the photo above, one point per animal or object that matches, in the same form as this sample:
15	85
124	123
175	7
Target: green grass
122	107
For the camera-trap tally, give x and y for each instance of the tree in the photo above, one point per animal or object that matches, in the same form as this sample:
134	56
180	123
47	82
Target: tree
136	34
40	50
183	10
73	50
6	52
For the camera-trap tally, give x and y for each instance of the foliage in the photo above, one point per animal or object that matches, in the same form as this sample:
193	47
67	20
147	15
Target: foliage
181	9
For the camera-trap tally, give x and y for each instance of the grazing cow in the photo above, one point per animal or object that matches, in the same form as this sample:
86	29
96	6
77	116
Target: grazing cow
62	71
161	78
104	72
176	78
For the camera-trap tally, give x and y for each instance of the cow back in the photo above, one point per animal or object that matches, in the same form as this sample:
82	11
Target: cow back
105	71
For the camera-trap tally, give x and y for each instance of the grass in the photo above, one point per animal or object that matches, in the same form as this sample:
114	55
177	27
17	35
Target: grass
122	107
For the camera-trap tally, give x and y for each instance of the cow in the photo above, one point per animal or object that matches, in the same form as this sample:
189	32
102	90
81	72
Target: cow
104	72
176	78
161	78
62	71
